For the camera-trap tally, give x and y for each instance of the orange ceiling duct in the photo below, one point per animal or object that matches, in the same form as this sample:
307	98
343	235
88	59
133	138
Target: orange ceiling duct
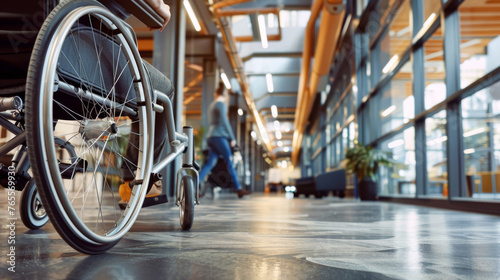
332	15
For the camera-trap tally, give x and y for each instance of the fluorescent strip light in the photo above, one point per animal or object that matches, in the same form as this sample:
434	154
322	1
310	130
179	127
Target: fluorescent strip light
274	111
278	135
403	31
476	131
430	19
426	25
390	64
270	20
437	140
225	80
240	112
269	80
388	111
469	151
396	143
277	125
261	127
191	15
262	29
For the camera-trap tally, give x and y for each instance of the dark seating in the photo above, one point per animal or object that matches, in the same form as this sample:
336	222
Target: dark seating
322	184
306	186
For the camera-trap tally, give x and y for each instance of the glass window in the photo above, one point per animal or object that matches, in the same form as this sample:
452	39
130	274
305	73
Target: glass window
481	137
397	105
479	42
338	149
332	154
365	125
437	175
345	142
396	39
435	87
372	120
399	179
352	134
379	16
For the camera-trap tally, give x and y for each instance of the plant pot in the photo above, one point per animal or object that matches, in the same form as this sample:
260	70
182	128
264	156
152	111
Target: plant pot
367	189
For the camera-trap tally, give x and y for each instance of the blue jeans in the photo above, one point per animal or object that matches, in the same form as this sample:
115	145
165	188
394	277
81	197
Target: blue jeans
219	146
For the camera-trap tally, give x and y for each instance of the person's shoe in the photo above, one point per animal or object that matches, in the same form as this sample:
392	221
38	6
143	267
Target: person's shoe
156	189
125	190
242	193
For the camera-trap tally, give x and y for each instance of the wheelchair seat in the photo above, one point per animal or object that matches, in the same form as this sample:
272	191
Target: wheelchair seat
20	22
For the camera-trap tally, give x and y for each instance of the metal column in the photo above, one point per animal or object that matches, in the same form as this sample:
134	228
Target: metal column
419	94
455	156
168	57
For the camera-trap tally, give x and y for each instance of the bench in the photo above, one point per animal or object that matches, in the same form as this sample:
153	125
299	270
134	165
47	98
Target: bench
322	184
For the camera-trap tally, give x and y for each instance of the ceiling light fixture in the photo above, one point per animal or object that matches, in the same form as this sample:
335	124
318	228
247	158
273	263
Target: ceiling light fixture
469	151
278	135
396	143
429	20
240	112
277	125
262	30
192	15
388	67
269	80
274	111
225	80
388	111
476	131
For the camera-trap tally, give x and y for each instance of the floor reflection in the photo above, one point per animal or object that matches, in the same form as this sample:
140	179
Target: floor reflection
274	237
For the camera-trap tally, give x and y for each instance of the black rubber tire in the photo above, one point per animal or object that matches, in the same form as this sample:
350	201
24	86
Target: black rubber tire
52	199
31	210
186	204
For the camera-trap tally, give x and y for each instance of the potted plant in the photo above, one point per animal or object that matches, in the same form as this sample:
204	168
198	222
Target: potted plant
364	162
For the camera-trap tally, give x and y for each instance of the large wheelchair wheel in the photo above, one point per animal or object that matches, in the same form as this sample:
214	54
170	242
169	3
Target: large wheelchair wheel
186	203
86	84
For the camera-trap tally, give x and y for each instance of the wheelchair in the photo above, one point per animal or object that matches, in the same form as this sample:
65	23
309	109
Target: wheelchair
83	106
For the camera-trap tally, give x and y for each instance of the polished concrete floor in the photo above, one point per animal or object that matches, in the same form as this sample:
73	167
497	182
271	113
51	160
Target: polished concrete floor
272	237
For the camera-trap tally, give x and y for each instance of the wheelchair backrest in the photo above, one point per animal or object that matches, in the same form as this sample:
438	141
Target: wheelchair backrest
20	22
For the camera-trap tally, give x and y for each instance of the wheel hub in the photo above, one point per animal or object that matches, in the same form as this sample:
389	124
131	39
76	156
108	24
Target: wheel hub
98	129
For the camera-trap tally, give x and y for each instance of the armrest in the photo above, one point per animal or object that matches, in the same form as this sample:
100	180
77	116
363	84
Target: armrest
141	10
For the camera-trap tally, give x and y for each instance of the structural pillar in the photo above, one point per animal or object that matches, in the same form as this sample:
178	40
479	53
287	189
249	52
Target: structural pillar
168	57
209	84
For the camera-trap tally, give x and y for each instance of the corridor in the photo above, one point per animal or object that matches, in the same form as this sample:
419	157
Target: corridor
274	237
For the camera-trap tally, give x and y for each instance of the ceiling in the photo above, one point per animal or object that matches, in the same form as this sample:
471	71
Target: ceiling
282	59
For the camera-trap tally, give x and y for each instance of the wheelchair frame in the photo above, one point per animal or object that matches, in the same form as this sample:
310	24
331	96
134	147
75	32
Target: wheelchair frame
180	143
